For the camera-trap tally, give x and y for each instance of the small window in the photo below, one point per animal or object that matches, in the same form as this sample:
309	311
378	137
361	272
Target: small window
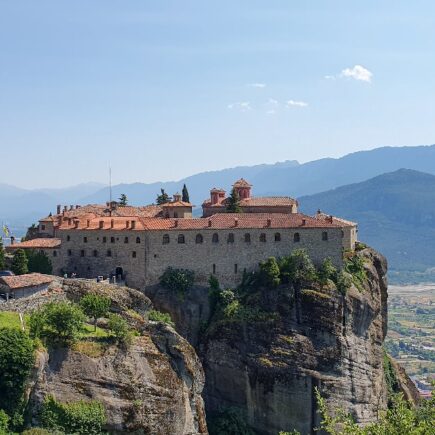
104	239
69	252
109	253
82	253
68	238
235	268
133	254
262	237
112	240
247	238
215	238
297	238
324	236
199	238
214	269
95	253
230	238
42	227
181	238
54	253
175	214
125	239
137	239
277	237
165	239
342	234
85	240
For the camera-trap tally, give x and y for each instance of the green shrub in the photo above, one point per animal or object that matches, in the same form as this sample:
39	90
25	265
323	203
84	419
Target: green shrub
4	422
297	268
326	272
81	417
269	273
158	316
16	361
20	263
119	328
178	280
95	306
57	320
344	282
355	266
230	421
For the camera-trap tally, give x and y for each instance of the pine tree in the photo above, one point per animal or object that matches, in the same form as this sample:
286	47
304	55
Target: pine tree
19	263
2	255
185	193
163	198
123	201
233	205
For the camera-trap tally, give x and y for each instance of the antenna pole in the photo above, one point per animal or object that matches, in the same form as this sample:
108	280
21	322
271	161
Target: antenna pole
110	183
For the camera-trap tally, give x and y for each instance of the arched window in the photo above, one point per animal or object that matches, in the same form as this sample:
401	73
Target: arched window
125	239
68	238
112	240
277	237
230	238
69	252
214	269
82	253
54	253
215	238
199	238
165	239
109	253
95	253
133	254
175	214
247	238
181	238
104	239
324	236
297	238
85	240
137	239
262	237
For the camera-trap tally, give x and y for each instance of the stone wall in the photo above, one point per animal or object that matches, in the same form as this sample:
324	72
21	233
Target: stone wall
228	260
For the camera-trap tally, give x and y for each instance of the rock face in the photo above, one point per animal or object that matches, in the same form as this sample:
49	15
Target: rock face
152	386
318	339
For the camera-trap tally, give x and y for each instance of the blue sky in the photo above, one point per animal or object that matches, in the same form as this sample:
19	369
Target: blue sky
163	89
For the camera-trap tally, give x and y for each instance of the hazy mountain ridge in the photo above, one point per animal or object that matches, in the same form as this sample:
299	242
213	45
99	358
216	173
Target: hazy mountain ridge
395	214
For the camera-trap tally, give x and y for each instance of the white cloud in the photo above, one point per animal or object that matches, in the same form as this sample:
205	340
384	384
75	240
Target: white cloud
293	103
328	77
243	106
273	102
256	85
358	72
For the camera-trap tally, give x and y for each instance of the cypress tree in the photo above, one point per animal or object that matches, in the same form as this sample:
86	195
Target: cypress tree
163	198
233	205
20	262
2	255
185	194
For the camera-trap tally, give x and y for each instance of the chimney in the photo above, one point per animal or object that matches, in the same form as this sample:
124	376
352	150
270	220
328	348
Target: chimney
65	208
236	222
175	223
101	225
133	225
71	207
12	240
331	218
77	206
127	224
58	209
209	222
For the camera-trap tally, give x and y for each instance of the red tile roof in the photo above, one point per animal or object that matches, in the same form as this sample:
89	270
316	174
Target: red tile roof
177	204
22	281
240	220
36	244
258	201
343	222
242	183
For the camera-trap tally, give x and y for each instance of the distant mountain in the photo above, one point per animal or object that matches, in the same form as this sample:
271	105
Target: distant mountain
288	178
395	213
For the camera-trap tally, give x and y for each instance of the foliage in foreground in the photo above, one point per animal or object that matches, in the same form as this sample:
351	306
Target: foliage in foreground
20	263
178	280
73	418
400	419
16	361
119	328
39	262
95	306
230	421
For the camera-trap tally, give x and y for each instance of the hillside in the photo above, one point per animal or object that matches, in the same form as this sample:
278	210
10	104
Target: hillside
396	215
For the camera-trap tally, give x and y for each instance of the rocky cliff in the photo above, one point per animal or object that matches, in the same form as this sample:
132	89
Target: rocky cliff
269	363
152	386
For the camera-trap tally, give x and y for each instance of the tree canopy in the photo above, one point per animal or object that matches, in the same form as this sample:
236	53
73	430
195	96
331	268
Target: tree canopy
95	306
123	200
185	193
163	198
233	205
20	263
